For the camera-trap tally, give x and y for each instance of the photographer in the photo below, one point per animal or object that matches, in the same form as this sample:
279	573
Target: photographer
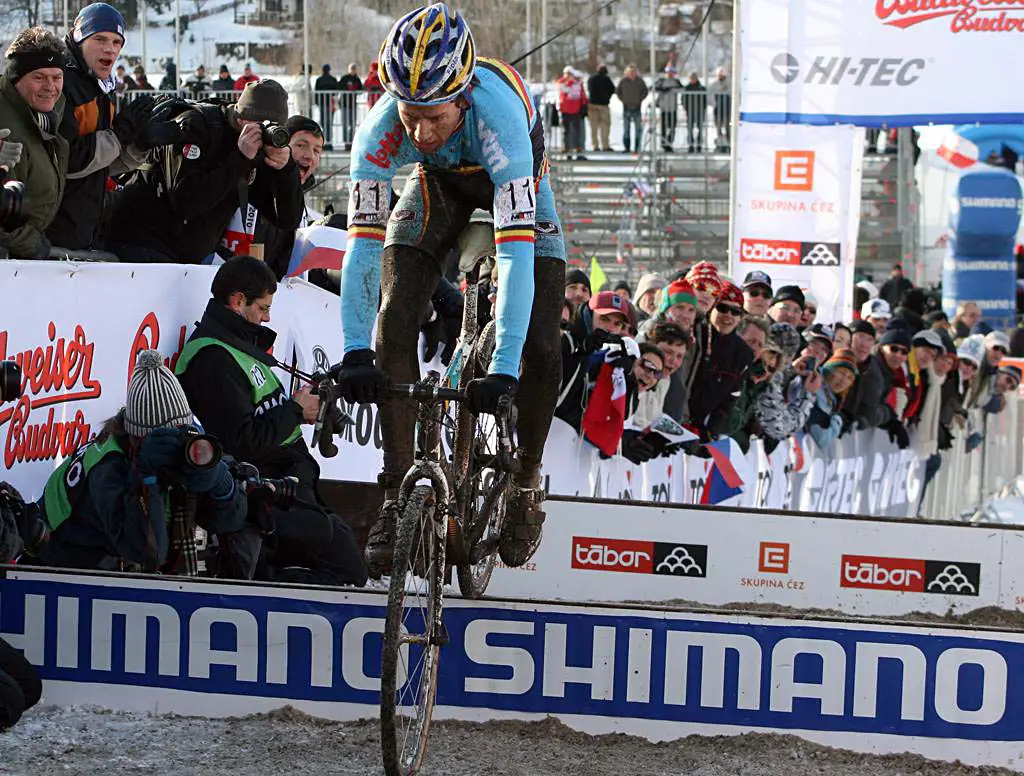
178	210
113	503
226	372
32	104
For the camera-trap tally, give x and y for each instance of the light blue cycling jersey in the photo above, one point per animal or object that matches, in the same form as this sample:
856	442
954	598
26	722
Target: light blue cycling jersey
496	135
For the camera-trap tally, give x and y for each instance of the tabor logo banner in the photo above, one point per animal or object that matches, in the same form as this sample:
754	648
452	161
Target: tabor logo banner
796	211
874	62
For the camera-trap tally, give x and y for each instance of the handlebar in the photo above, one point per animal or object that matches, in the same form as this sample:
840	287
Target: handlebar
426	391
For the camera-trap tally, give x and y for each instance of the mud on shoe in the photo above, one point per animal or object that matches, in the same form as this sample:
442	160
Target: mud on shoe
523	527
380	545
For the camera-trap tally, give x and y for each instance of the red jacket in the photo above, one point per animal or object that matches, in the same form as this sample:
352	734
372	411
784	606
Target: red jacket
571	94
242	80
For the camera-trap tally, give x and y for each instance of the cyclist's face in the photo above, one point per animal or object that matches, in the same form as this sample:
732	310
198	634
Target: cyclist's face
430	126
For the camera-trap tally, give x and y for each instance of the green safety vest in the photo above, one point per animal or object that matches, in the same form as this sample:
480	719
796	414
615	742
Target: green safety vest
266	388
67	483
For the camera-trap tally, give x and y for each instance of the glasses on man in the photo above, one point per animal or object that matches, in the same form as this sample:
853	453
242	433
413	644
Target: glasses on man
759	293
898	350
725	309
651	369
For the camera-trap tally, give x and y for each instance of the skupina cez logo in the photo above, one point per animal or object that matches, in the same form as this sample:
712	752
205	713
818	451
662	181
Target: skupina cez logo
639	557
910	575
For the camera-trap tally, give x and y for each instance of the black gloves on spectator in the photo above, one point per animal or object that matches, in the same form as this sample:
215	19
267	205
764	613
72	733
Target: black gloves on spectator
133	118
484	393
598	338
358	379
636	448
440	331
158	133
163	449
695	448
819	417
898	434
945	437
216	480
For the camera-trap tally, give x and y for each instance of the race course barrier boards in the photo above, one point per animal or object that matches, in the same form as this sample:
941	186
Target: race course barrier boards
199	648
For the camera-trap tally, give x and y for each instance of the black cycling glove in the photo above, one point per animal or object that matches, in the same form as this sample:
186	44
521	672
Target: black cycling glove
358	379
485	392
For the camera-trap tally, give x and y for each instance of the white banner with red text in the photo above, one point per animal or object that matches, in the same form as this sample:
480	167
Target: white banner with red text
796	211
878	62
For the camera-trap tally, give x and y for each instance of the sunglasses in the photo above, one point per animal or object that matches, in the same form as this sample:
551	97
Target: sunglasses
899	350
725	309
999	349
650	367
759	293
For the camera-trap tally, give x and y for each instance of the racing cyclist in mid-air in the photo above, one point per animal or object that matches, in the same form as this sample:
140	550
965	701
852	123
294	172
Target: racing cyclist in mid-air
470	125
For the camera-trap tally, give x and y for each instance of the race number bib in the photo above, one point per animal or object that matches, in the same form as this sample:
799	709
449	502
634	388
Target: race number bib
515	205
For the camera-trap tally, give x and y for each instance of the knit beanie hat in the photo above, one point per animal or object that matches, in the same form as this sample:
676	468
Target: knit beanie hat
972	349
652	281
704	273
155	398
298	123
97	17
677	292
841	359
577	276
862	327
731	294
1012	371
789	294
786	338
897	335
263	100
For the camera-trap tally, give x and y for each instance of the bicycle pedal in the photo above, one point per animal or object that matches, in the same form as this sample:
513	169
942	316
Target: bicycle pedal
483	549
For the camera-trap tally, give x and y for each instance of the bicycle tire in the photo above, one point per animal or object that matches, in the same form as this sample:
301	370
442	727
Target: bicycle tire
404	736
475	577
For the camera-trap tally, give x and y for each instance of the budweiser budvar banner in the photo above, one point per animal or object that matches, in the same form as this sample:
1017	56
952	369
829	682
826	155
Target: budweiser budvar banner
873	62
797	209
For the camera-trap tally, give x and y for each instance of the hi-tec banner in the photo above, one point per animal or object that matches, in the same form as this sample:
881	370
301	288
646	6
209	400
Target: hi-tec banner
797	209
875	62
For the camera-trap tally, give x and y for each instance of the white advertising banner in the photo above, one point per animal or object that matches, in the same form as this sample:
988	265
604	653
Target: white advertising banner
796	211
893	62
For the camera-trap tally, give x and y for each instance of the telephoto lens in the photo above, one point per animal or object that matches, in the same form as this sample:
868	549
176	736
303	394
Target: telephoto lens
274	134
10	381
12	197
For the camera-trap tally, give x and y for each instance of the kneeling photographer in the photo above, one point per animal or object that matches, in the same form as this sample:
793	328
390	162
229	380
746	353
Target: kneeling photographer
225	369
226	157
121	502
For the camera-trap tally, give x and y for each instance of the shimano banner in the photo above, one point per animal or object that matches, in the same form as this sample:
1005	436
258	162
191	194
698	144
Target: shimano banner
215	650
984	216
875	62
796	210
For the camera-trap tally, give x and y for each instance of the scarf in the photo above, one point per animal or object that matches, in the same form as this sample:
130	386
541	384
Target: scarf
926	442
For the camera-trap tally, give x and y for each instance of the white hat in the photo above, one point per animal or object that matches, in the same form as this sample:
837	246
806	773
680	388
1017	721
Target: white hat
875	308
870	287
810	299
972	349
997	339
931	338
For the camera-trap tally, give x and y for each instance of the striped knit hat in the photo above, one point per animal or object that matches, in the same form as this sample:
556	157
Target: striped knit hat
841	359
677	292
155	398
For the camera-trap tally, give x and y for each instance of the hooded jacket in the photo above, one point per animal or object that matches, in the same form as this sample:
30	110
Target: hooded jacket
719	376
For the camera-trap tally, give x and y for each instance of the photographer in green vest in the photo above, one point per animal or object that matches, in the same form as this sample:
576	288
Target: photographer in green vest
226	371
110	506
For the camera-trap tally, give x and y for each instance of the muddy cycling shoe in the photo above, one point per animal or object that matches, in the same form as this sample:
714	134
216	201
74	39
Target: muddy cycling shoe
380	547
523	526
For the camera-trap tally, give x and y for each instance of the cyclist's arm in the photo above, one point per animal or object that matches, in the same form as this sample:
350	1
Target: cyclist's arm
379	149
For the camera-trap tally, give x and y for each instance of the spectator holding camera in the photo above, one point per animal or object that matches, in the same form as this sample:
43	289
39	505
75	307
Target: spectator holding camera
109	505
31	150
227	374
177	212
825	423
785	404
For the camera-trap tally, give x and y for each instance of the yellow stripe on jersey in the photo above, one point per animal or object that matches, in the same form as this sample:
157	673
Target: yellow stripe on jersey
508	74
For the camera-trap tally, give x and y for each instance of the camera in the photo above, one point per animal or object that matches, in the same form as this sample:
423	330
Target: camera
12	199
274	134
202	451
277	492
10	381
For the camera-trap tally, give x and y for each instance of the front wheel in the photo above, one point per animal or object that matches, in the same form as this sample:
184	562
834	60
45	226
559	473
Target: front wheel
413	636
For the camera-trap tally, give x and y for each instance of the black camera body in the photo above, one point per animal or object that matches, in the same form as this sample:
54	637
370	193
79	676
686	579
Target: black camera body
276	492
274	135
12	202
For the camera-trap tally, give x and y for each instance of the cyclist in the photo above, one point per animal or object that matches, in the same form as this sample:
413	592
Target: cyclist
470	126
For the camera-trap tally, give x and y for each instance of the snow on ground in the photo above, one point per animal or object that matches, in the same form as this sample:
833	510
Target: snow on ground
84	742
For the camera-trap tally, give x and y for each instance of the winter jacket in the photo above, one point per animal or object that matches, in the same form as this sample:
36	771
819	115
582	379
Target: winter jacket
571	95
242	80
742	423
198	85
43	164
695	100
719	377
326	83
632	92
868	395
220	394
373	85
892	290
778	416
207	175
576	348
667	90
600	89
169	83
350	83
226	84
828	403
87	126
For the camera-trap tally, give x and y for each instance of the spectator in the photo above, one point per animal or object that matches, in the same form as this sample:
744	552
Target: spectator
667	89
621	288
877	313
349	84
926	348
227	373
197	85
825	423
891	355
954	385
707	283
783	407
216	168
967	316
742	422
134	482
600	89
929	438
787	306
970	357
865	405
648	372
912	309
648	292
577	287
895	287
754	331
757	293
32	106
300	90
996	345
169	83
325	86
572	105
373	86
672	343
721	372
124	81
810	310
818	341
937	319
721	92
141	81
97	139
678	306
224	83
631	91
247	77
841	336
695	100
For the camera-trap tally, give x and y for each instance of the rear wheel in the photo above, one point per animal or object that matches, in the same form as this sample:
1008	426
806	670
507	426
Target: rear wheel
413	636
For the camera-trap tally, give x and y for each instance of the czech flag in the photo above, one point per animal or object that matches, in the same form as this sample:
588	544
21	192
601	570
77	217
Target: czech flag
317	247
729	471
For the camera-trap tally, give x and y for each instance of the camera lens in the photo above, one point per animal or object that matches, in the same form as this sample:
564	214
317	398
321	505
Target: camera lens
202	451
12	196
275	135
10	381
